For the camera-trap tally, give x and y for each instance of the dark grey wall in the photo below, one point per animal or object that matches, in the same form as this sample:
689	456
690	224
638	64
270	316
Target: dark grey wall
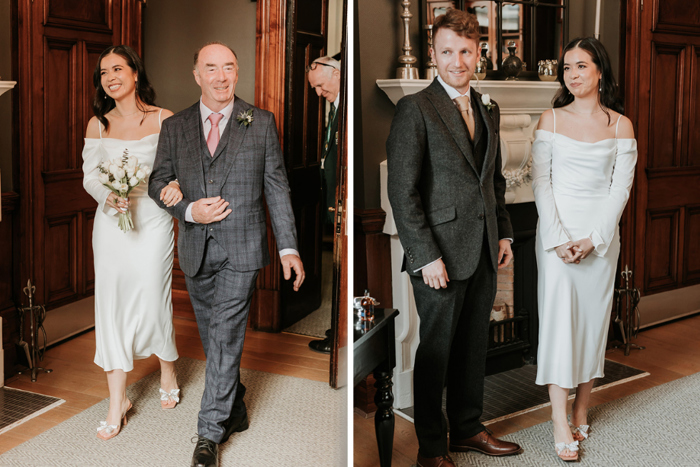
6	99
174	29
379	37
377	48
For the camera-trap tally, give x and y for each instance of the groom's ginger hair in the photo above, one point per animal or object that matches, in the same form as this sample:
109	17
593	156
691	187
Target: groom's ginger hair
463	23
196	54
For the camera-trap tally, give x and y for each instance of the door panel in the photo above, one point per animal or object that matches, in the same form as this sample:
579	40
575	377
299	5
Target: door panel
666	108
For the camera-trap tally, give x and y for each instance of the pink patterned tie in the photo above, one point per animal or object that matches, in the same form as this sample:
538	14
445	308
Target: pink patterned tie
213	138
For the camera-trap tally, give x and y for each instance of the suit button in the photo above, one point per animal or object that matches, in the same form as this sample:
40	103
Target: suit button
211	181
201	228
211	229
481	216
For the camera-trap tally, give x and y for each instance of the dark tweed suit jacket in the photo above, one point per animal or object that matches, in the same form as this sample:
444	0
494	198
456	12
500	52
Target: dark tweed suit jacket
253	166
441	200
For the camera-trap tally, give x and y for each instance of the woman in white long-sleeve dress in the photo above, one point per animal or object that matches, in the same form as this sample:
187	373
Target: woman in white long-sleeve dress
583	157
133	270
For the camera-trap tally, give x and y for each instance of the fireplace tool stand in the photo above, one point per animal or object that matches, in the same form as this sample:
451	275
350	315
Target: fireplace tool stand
37	313
631	296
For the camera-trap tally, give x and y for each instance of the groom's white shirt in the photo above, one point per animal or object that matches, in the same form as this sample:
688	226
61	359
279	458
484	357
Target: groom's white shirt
205	112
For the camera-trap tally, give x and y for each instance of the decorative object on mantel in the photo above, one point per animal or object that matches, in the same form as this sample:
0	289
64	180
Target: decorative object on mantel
482	66
37	313
6	86
547	70
407	70
515	178
430	68
512	65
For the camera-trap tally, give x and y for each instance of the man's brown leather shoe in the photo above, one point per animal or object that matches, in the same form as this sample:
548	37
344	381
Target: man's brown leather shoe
441	461
486	443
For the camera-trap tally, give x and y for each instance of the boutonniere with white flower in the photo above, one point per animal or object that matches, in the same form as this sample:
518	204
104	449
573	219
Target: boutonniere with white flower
486	100
245	118
121	175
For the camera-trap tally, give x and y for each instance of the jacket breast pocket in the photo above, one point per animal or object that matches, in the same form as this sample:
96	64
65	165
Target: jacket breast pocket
256	217
440	216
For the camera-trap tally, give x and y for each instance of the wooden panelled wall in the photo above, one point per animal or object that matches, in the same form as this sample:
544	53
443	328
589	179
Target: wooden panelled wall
662	87
46	230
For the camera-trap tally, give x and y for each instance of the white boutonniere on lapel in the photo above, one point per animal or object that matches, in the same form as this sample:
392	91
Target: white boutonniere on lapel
245	118
486	100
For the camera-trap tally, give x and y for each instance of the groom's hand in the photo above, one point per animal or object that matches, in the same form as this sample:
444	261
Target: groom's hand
505	254
290	262
208	210
435	275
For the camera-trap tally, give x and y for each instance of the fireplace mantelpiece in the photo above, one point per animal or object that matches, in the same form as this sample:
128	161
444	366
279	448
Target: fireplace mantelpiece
521	105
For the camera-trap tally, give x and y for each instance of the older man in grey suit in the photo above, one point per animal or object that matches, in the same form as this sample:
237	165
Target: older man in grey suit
447	195
225	154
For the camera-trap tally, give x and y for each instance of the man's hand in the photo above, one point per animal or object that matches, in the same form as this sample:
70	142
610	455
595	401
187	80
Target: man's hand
290	262
208	210
435	275
505	254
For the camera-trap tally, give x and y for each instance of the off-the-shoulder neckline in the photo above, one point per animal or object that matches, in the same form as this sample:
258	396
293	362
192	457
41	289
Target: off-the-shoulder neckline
585	142
125	140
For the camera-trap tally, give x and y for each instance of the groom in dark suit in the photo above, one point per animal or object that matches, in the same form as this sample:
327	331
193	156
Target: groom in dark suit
225	154
447	195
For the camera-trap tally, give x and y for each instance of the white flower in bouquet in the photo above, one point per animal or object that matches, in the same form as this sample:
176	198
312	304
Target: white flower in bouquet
117	185
147	169
124	187
105	166
141	174
121	175
118	161
113	169
132	162
103	178
130	172
133	181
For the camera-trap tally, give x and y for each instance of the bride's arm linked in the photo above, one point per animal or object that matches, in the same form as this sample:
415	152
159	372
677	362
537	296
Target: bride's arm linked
92	157
551	231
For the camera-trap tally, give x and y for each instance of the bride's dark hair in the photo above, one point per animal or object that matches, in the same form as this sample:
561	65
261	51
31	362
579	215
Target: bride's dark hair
608	90
102	103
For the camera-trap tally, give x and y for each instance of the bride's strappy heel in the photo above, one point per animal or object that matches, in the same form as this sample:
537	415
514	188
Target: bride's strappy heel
106	432
571	447
580	432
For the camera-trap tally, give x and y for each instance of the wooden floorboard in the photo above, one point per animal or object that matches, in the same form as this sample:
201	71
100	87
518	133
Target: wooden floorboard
82	384
672	352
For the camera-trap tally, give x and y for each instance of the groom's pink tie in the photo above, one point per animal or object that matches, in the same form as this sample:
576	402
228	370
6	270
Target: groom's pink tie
213	138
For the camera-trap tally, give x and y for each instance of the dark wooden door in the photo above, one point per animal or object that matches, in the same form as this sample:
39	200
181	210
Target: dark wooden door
339	352
304	122
661	228
58	46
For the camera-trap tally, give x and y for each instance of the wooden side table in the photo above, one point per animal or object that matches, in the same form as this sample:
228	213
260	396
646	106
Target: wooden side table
374	351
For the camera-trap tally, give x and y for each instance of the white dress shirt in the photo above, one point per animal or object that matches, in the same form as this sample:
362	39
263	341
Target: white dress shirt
206	124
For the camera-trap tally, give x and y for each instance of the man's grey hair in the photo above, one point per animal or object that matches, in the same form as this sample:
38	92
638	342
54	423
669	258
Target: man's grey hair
327	62
196	54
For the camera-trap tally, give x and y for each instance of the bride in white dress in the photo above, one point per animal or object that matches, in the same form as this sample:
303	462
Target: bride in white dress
133	270
583	158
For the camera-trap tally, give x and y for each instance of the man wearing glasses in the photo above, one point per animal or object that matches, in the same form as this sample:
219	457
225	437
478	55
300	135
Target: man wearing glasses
324	78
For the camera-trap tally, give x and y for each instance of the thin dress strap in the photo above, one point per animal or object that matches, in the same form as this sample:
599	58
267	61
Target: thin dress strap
160	122
554	114
99	124
617	125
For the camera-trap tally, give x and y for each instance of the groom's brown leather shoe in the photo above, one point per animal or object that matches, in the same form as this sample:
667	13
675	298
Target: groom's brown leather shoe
440	461
486	443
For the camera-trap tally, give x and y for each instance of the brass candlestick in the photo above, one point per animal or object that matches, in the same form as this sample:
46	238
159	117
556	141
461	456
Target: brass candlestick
430	68
407	70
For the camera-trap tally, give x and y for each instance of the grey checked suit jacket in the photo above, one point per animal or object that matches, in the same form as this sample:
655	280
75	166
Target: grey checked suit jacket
440	199
253	166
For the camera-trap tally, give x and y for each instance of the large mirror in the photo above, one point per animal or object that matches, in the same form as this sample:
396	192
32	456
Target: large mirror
538	29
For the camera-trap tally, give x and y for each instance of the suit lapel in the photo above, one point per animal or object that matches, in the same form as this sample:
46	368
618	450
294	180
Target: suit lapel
490	129
233	136
453	120
193	132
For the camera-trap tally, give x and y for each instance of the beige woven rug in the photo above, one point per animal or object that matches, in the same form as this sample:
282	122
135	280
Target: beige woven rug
293	421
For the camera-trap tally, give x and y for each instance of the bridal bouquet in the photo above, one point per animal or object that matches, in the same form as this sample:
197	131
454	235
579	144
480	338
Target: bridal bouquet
121	175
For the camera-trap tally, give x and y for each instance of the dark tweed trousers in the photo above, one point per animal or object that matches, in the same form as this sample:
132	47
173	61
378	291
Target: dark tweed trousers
221	299
454	326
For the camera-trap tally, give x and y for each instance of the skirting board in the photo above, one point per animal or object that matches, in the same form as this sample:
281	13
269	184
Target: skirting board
66	321
666	306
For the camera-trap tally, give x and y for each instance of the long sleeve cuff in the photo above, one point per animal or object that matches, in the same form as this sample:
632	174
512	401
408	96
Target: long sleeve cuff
289	251
188	214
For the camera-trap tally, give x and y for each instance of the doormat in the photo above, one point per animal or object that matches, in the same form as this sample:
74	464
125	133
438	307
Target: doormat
17	406
514	392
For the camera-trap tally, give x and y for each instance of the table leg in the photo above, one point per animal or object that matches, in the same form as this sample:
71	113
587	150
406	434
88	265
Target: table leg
384	418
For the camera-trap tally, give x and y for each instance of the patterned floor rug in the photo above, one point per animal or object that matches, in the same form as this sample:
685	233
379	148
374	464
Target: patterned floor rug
653	428
17	406
293	421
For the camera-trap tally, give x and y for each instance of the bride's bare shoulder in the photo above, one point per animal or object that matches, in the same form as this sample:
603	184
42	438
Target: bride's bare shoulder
546	121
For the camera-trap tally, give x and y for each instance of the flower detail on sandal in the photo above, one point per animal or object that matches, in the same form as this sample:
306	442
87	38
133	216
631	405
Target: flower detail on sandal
580	432
169	400
571	447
